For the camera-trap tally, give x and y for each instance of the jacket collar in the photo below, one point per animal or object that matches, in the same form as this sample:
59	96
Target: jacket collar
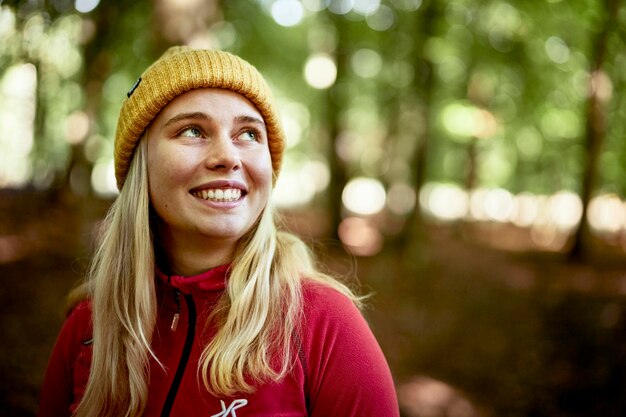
212	280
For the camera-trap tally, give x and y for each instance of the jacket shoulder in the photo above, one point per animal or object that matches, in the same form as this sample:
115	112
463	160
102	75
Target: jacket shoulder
78	324
317	294
340	349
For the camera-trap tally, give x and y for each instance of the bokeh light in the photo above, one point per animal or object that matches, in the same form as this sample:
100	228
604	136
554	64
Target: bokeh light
444	202
86	6
7	23
565	209
76	127
17	116
300	180
103	179
360	237
287	12
561	123
558	213
383	19
224	34
366	63
465	121
340	7
407	5
498	205
607	213
401	198
601	85
314	5
527	209
366	7
364	196
557	50
320	71
295	119
427	397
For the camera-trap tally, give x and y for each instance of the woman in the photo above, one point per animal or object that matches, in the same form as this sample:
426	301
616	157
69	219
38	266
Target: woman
195	304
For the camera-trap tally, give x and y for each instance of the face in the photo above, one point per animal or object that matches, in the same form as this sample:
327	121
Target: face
209	167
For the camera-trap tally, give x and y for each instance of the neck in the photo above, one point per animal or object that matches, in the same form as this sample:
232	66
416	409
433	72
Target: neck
188	257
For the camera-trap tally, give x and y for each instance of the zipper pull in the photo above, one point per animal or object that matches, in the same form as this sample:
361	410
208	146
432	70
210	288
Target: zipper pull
176	317
175	321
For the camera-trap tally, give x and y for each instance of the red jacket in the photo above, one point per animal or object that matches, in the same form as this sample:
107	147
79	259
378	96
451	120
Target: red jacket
341	372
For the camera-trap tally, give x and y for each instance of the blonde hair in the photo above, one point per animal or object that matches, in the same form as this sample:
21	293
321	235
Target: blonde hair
257	317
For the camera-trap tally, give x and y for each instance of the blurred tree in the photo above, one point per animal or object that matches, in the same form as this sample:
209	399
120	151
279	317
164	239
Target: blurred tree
595	120
420	24
336	103
104	53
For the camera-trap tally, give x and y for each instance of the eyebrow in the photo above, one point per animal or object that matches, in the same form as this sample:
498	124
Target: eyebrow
204	116
187	116
249	119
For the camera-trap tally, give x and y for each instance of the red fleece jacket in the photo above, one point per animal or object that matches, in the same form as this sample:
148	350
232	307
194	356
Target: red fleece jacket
341	371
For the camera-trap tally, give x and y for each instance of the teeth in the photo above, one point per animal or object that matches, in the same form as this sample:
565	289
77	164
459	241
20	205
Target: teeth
229	194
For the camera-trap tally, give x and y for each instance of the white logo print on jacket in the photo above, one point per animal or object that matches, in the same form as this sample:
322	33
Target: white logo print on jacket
230	411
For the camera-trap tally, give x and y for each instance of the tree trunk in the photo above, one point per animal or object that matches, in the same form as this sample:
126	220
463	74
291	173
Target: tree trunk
595	130
423	86
334	106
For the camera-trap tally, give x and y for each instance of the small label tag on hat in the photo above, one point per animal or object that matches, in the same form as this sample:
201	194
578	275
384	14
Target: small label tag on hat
134	87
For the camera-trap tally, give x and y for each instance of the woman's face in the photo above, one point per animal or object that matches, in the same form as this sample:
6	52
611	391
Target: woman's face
209	167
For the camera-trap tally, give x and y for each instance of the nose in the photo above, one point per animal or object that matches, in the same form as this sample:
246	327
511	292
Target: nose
222	154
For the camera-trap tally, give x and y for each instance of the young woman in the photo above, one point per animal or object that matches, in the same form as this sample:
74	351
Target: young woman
195	304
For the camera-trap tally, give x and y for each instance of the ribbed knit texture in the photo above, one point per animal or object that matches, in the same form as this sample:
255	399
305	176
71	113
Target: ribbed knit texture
179	70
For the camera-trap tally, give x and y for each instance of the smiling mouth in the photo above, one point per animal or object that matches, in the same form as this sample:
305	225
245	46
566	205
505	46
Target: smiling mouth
218	195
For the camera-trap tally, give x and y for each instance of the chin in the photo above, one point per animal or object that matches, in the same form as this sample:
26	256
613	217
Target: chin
228	233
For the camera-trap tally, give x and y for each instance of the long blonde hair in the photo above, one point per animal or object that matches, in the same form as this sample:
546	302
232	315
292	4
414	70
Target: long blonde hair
256	317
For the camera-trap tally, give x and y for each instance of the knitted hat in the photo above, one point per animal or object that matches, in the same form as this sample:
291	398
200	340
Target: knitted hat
179	70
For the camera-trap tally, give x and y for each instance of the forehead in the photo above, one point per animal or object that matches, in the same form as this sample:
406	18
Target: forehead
216	102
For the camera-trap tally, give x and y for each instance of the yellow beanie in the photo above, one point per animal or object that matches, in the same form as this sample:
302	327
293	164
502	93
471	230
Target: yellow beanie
179	70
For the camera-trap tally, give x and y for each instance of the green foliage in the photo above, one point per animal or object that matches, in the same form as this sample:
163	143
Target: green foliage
512	76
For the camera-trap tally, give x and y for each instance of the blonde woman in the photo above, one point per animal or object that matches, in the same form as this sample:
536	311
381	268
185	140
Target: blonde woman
195	304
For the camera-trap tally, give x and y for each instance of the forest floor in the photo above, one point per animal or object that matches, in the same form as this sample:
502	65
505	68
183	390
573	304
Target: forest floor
468	330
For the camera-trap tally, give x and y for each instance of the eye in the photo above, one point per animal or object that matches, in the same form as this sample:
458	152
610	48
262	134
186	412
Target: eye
250	135
191	132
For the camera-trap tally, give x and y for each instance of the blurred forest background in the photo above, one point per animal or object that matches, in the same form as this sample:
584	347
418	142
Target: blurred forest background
465	159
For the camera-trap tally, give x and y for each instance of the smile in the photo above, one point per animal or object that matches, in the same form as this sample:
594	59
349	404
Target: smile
218	195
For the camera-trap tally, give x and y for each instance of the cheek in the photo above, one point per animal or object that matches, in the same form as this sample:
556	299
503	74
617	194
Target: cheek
262	170
157	193
163	173
167	166
156	177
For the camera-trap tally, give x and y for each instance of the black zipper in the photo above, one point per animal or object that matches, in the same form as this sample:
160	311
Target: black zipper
184	358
